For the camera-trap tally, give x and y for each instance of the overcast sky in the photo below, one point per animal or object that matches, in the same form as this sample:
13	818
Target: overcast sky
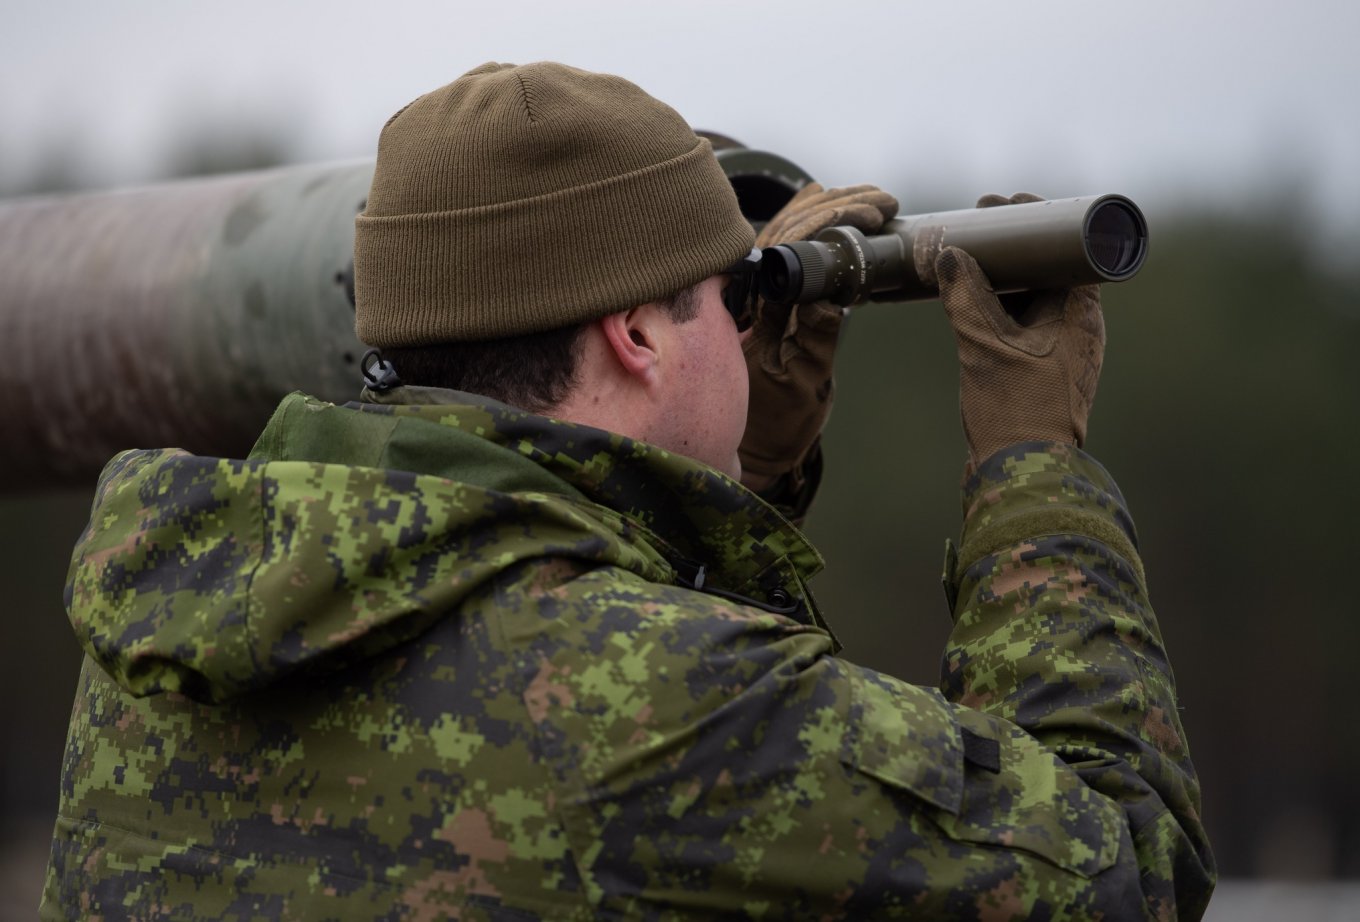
1205	101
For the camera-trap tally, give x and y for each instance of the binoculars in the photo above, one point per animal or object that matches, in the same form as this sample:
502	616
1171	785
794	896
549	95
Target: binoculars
1022	247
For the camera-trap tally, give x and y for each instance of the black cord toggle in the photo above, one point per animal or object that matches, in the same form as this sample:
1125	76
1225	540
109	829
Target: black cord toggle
381	375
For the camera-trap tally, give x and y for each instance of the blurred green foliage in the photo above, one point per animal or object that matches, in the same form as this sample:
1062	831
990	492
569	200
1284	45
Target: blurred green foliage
1226	412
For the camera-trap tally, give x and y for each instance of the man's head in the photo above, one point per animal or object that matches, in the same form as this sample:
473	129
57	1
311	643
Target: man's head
517	209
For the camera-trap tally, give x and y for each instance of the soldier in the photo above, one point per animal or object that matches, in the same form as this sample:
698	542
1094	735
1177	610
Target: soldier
508	640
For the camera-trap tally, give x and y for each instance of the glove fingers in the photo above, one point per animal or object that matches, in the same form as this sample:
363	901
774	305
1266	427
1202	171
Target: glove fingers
802	195
773	230
801	227
967	295
976	313
1081	310
849	192
825	197
864	216
792	213
1032	309
992	200
823	318
881	202
771	321
1019	198
864	206
884	203
1084	345
956	272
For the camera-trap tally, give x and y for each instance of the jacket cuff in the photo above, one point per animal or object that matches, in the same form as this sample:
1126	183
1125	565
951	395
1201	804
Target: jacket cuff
1032	489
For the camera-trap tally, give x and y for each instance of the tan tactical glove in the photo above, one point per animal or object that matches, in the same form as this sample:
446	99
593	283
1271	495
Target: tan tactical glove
789	352
1028	362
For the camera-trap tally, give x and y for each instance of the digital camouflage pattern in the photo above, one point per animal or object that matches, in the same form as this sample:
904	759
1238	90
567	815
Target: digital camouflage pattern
444	659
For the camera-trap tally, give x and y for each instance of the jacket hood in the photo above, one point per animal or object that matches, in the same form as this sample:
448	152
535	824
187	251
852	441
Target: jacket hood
350	529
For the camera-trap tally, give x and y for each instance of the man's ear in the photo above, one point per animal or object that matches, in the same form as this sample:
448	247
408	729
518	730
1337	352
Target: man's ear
634	338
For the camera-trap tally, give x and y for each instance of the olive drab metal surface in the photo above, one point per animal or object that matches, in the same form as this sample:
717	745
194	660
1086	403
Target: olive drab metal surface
171	315
179	314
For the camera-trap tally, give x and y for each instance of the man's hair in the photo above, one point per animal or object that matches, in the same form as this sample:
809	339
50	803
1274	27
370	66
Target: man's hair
533	371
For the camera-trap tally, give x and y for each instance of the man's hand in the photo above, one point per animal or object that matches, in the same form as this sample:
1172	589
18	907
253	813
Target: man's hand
1028	362
790	351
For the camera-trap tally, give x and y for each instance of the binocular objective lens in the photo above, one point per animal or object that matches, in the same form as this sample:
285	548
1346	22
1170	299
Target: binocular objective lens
1114	238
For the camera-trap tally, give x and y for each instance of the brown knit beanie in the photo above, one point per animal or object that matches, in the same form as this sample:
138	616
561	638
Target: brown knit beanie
520	199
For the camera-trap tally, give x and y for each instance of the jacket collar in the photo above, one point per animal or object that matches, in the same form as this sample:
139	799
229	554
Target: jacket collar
701	516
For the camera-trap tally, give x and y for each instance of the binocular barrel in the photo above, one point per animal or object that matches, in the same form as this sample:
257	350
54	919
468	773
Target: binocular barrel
1024	247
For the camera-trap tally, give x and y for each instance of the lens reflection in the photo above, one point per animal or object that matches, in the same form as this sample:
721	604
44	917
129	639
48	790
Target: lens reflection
1114	238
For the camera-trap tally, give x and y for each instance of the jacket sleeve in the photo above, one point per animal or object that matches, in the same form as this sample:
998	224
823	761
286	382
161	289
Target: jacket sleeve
712	760
1054	634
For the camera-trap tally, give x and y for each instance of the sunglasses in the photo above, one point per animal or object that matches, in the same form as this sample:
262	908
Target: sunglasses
742	289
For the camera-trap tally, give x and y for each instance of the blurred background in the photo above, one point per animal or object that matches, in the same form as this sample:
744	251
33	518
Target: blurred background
1228	405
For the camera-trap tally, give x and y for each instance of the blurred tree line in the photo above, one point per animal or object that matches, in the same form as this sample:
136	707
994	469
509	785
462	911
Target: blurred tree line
1225	412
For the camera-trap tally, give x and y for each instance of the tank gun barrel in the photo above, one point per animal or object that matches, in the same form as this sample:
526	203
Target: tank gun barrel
175	314
180	314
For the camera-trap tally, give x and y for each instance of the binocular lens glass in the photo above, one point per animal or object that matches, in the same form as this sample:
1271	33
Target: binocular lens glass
1114	238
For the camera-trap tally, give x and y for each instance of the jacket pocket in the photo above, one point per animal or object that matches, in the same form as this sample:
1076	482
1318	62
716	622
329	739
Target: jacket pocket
988	782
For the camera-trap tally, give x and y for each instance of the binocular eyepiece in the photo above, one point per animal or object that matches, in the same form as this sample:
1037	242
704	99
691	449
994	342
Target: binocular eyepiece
1023	247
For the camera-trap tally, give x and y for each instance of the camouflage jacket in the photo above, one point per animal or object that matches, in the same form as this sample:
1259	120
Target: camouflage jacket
445	659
